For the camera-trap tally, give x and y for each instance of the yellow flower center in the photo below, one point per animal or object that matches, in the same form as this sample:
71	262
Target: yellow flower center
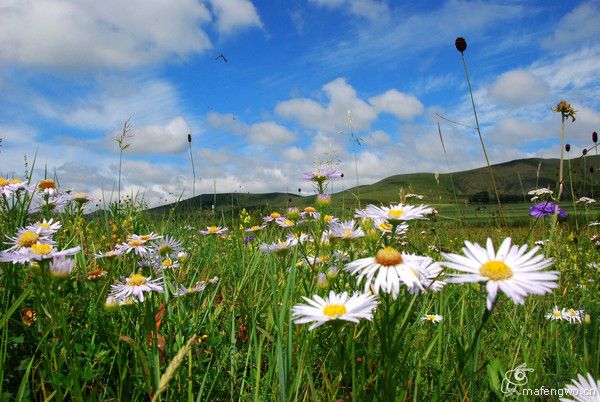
255	227
3	182
275	215
28	239
15	181
388	257
347	233
135	243
167	263
385	226
47	184
213	229
145	237
557	314
136	280
430	317
165	249
45	225
396	213
328	218
288	222
571	312
324	258
41	249
334	310
496	270
309	209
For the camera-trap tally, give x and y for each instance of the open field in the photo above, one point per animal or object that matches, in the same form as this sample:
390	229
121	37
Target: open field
217	321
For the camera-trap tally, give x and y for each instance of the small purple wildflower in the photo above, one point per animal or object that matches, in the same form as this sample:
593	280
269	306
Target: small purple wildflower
248	239
544	209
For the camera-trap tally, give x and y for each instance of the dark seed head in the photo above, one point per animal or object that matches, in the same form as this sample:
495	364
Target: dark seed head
461	44
595	136
189	138
567	147
299	190
584	152
592	169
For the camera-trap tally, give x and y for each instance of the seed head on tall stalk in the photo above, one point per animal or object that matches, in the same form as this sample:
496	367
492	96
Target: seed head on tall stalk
461	46
193	168
566	111
122	141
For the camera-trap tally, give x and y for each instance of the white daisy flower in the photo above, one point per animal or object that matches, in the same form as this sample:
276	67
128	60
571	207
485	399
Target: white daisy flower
167	246
389	269
37	252
556	314
27	237
386	227
136	245
45	227
255	228
284	222
310	212
272	217
584	389
510	269
395	213
61	266
330	219
586	201
574	316
214	230
433	318
346	230
334	307
144	238
278	247
135	286
300	238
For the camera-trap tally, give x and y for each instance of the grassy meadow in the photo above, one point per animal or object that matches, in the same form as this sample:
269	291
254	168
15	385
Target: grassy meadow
222	325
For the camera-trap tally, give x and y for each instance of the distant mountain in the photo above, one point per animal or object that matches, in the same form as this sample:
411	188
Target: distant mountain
513	179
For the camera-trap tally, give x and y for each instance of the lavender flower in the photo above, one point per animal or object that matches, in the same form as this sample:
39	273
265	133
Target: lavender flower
544	209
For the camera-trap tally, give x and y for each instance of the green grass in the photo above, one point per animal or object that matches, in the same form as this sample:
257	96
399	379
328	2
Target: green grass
249	349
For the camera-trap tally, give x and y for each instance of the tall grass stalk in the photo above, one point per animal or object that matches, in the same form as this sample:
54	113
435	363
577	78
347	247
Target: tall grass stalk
123	145
477	127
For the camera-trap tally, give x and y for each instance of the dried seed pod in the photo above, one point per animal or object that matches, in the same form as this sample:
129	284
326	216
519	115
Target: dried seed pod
567	147
461	44
595	136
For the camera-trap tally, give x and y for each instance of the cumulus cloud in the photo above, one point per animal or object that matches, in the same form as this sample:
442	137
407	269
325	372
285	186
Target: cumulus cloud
225	122
269	133
401	105
235	14
579	26
169	138
344	109
110	33
519	87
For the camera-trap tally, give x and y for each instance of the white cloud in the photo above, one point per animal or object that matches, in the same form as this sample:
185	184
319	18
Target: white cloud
294	154
378	137
110	33
269	133
579	26
108	107
334	116
371	9
225	122
235	14
401	105
519	87
155	138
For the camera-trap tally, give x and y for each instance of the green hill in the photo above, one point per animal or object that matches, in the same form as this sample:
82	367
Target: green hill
514	179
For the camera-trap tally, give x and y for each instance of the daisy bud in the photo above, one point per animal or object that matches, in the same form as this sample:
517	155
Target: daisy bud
293	213
595	136
322	282
332	272
182	256
111	303
323	200
591	169
587	319
61	267
567	147
461	44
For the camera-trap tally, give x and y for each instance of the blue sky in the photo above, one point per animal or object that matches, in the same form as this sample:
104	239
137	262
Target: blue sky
302	77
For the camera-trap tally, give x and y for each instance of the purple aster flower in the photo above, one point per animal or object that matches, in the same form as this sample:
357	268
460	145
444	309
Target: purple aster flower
545	208
248	239
320	175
